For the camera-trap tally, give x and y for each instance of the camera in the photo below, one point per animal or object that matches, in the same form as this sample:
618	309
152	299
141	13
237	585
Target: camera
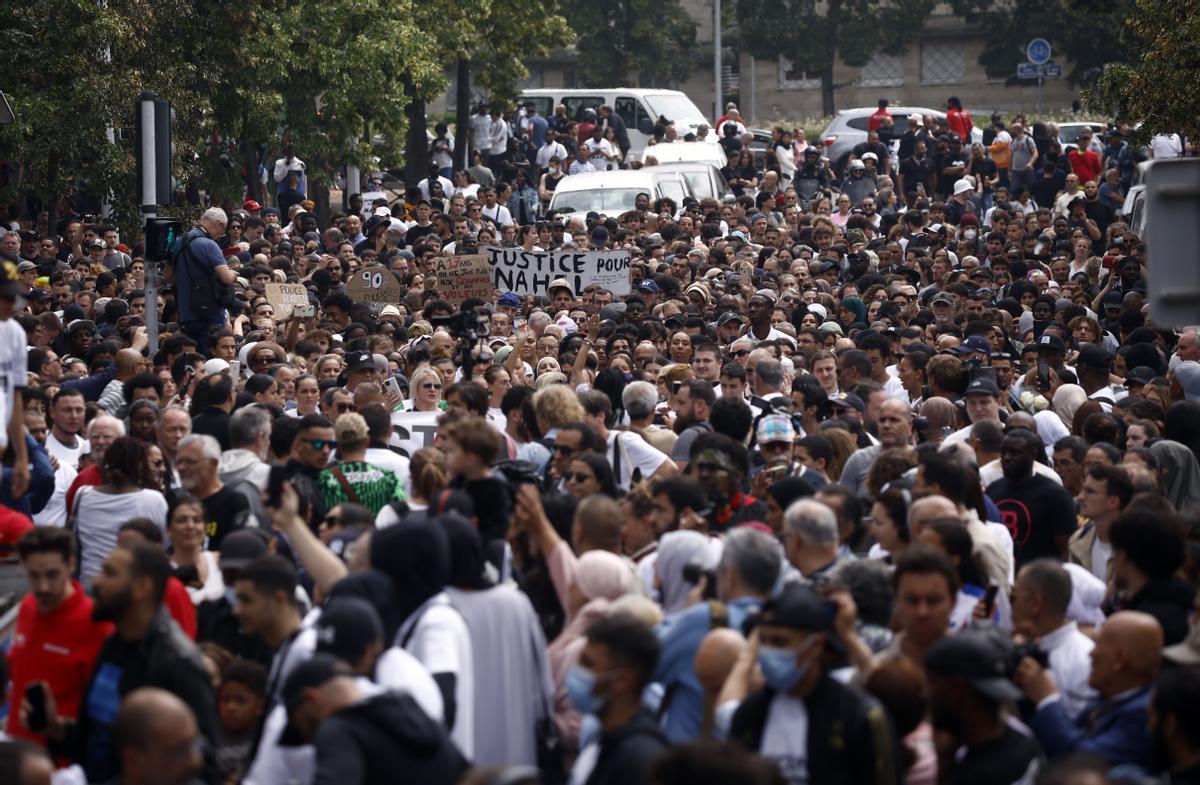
469	324
694	571
1029	649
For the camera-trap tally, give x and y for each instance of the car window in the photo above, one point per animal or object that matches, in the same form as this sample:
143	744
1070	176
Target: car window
601	200
858	123
544	104
577	103
700	184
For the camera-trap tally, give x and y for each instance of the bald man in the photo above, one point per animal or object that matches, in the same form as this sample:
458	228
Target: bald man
157	739
929	509
1124	664
128	363
714	661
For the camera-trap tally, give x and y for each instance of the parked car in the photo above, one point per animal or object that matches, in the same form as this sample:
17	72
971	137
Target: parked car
849	127
640	109
705	178
1068	133
672	152
615	192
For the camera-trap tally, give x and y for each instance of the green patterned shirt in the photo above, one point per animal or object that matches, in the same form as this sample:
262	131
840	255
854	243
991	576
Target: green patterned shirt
375	487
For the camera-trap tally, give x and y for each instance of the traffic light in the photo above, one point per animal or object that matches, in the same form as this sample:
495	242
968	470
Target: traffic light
154	150
161	236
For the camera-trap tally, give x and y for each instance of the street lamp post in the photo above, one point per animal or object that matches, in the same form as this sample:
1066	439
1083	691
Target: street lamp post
718	101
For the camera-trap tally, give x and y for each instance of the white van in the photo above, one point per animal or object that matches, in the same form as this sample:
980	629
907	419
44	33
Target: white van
638	108
613	193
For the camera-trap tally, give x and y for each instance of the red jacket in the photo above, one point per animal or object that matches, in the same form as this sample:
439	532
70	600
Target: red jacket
876	120
59	648
180	606
960	123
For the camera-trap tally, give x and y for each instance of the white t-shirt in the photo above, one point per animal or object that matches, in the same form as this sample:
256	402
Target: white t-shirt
785	738
12	371
100	517
634	451
64	453
392	461
440	641
1101	553
498	214
399	671
55	511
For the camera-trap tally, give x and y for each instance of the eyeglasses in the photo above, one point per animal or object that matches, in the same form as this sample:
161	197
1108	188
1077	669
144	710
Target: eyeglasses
563	449
345	407
577	477
319	444
740	353
431	386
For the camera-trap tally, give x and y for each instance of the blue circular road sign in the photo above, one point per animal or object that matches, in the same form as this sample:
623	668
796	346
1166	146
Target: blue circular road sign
1038	51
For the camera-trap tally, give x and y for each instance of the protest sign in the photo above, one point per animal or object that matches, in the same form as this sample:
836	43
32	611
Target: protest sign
530	272
413	430
283	297
462	277
375	285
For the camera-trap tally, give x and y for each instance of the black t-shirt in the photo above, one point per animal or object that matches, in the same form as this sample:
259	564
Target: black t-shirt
1035	512
1009	758
945	182
224	511
416	232
1045	190
915	171
983	168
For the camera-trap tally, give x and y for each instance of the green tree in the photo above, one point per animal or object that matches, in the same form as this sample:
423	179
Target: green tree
814	36
1085	33
632	42
1158	86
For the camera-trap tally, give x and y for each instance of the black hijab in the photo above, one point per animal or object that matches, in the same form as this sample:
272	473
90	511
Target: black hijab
416	556
467	562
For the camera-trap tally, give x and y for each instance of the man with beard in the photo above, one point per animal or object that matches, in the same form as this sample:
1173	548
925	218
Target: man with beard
1174	720
147	650
691	402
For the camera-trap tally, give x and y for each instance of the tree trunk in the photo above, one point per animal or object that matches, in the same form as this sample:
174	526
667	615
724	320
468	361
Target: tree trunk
462	114
827	103
832	14
250	165
416	142
51	194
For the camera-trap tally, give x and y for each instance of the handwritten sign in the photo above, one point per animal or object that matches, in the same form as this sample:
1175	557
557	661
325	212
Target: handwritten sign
530	272
283	297
375	285
462	277
412	430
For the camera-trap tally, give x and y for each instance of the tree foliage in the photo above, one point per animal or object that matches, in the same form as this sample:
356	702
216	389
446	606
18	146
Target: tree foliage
632	42
1158	86
813	36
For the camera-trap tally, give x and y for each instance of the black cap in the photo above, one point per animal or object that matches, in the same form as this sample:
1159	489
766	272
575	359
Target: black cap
1093	356
356	361
1141	376
730	316
347	628
314	672
983	385
979	656
239	548
1051	343
845	400
800	608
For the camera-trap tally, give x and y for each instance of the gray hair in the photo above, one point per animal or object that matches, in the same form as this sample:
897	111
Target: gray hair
755	556
209	446
869	582
769	372
106	418
639	399
812	521
247	424
215	215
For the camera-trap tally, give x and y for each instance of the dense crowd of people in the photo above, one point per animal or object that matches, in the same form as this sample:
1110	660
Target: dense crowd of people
879	479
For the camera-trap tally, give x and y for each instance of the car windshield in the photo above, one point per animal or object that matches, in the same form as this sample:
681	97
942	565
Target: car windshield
600	200
676	108
1069	134
700	184
672	189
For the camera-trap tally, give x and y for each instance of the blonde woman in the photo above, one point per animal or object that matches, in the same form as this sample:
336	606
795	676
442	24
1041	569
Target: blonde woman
426	389
427	474
554	407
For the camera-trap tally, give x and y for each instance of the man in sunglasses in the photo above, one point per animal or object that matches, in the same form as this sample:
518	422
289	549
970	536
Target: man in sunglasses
311	449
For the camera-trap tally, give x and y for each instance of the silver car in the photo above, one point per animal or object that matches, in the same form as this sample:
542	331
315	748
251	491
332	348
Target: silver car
849	128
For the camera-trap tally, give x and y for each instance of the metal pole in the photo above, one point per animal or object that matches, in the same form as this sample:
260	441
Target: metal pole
718	100
1039	98
753	89
353	179
148	196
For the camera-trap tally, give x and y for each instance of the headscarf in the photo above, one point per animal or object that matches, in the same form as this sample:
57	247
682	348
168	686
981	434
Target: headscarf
1180	473
377	589
1067	400
603	575
939	413
468	567
857	306
676	550
789	489
416	557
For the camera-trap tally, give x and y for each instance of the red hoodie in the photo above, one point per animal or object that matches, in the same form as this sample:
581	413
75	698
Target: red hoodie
59	648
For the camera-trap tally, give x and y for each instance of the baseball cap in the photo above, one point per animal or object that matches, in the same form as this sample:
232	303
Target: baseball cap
845	400
81	324
1140	376
239	548
983	385
648	286
768	294
356	361
347	628
25	267
975	344
561	283
799	607
730	316
942	297
1051	343
37	293
509	299
251	206
97	243
775	428
1093	356
215	365
980	657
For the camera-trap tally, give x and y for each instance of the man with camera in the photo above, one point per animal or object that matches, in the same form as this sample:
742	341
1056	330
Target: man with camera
202	279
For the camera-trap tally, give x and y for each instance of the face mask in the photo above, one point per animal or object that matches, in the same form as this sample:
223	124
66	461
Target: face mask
580	684
780	669
970	234
230	597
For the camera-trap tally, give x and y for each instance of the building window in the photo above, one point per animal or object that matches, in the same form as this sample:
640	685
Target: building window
942	63
883	70
790	78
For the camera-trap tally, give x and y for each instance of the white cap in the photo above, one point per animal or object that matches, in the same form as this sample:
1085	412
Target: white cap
215	365
962	186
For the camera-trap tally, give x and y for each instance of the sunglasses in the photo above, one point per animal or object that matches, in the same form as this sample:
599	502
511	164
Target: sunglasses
562	449
345	407
740	353
431	386
577	477
320	444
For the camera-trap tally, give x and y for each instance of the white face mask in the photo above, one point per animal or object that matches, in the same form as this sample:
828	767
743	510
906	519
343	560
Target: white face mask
970	234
